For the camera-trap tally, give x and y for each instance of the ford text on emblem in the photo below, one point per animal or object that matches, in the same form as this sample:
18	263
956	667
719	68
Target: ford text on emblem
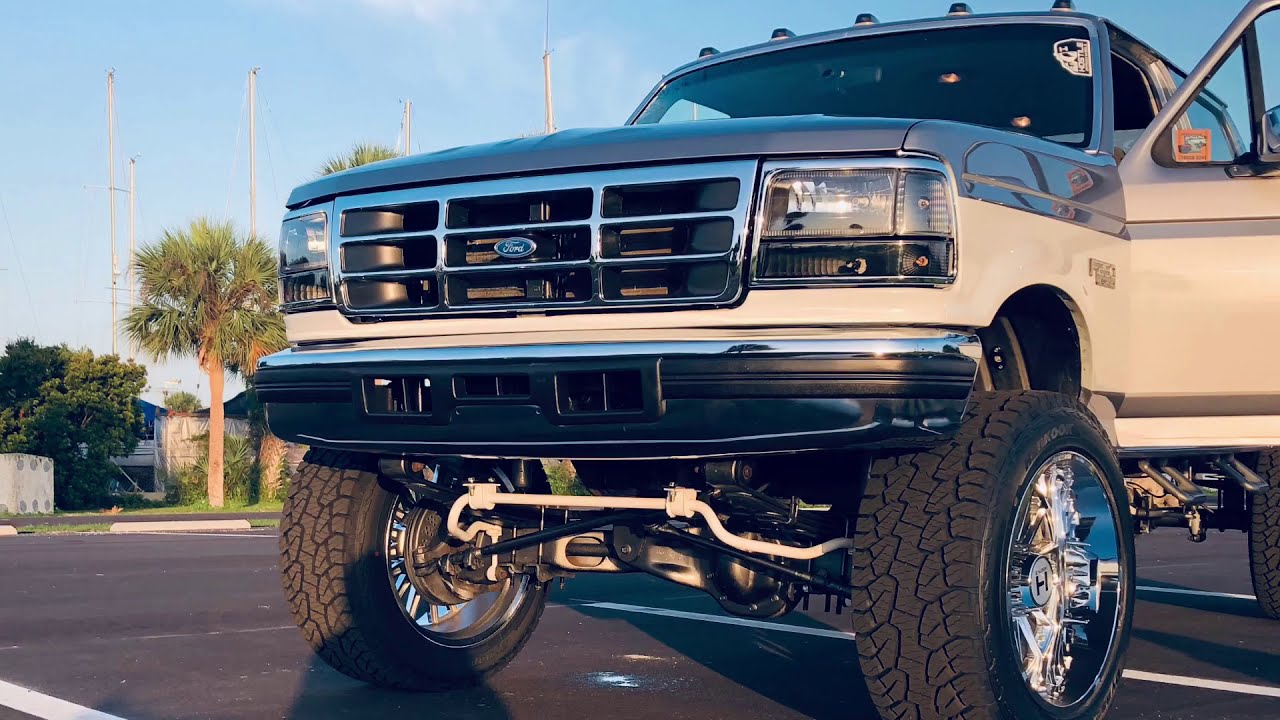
515	248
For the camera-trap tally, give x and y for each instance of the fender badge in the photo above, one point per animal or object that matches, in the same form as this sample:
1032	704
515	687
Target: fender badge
514	248
1103	273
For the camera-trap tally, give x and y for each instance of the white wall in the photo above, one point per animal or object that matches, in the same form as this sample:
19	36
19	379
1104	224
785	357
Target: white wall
26	484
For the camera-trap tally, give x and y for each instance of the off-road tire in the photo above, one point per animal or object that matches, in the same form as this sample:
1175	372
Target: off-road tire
931	544
1264	536
335	581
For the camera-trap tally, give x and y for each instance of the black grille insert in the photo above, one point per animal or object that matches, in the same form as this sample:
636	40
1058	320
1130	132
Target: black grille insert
542	286
416	253
421	292
670	198
678	237
520	209
558	245
413	217
706	279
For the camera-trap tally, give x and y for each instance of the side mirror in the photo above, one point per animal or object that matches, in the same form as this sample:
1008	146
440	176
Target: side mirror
1271	129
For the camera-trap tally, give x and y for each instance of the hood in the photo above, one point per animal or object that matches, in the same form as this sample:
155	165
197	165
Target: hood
630	144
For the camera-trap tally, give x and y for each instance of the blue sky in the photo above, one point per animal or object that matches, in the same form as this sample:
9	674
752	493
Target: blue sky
333	73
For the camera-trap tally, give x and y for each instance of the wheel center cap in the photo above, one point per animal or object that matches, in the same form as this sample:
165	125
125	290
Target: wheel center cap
1039	580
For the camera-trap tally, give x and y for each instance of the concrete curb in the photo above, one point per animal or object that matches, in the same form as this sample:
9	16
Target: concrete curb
138	526
8	530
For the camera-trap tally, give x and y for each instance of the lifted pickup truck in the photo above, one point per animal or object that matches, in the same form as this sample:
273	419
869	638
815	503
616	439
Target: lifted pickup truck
931	318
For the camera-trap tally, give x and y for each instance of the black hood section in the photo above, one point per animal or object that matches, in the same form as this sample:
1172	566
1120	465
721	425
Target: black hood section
627	145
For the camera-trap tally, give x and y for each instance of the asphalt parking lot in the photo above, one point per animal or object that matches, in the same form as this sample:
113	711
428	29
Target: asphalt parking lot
95	627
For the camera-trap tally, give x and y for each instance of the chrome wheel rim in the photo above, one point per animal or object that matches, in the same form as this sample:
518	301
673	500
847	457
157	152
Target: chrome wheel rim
458	624
1064	579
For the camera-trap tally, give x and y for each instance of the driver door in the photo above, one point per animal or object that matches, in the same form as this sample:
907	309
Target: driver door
1202	197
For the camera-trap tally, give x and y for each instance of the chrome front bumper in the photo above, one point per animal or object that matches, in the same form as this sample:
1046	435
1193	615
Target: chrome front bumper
624	400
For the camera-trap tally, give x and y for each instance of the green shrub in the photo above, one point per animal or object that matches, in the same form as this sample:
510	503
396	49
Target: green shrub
190	485
564	481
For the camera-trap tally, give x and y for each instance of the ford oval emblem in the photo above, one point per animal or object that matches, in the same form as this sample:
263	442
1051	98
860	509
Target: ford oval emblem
515	248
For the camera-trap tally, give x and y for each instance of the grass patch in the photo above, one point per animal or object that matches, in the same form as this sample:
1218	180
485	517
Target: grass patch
264	522
63	529
266	506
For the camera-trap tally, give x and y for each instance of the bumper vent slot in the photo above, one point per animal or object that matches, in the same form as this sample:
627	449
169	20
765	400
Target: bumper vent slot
599	393
397	396
491	386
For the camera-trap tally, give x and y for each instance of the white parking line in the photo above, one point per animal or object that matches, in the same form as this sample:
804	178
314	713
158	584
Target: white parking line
209	633
228	534
1198	593
1193	682
722	619
45	707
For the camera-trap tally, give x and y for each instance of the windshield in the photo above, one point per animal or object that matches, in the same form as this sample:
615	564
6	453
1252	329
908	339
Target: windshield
1029	78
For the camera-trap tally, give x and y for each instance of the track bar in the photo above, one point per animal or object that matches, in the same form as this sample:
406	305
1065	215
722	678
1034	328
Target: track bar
680	503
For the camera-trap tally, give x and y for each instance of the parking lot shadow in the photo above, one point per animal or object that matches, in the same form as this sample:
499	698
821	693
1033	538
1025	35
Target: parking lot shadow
327	695
1260	665
818	677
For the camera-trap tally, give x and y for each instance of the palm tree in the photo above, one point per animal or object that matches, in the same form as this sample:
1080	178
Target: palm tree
359	154
182	402
208	293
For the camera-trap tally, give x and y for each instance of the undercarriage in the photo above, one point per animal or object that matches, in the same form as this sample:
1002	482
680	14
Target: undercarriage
758	553
1196	489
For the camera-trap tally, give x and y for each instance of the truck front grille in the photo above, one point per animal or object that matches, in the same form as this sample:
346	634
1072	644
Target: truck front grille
590	240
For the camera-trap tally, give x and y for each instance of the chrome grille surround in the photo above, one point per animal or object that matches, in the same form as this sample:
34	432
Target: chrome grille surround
604	271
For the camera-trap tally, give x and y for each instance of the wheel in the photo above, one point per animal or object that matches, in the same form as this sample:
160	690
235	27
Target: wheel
1264	536
994	574
347	555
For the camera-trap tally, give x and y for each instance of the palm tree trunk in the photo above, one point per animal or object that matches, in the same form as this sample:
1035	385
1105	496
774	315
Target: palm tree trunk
270	461
216	429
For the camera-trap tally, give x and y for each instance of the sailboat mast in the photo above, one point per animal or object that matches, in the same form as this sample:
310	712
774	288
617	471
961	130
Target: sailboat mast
408	126
111	197
546	74
130	280
253	142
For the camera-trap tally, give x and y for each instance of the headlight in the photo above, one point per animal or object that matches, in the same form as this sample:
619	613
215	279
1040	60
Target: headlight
304	262
855	225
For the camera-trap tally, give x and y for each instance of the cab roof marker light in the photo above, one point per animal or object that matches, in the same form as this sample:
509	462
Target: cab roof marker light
865	19
781	34
707	52
1064	6
959	9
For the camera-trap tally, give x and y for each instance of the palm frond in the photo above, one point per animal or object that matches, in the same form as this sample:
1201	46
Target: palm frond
360	154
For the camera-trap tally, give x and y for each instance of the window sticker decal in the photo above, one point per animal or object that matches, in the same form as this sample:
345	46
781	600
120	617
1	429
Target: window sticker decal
1075	56
1193	146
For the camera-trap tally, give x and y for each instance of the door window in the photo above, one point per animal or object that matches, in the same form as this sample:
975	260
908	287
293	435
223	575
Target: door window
1209	131
1268	30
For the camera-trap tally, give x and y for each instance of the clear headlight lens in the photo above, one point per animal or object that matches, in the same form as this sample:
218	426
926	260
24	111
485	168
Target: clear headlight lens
831	203
304	262
837	225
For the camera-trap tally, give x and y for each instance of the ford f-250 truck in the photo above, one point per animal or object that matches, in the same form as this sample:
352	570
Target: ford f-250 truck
931	318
